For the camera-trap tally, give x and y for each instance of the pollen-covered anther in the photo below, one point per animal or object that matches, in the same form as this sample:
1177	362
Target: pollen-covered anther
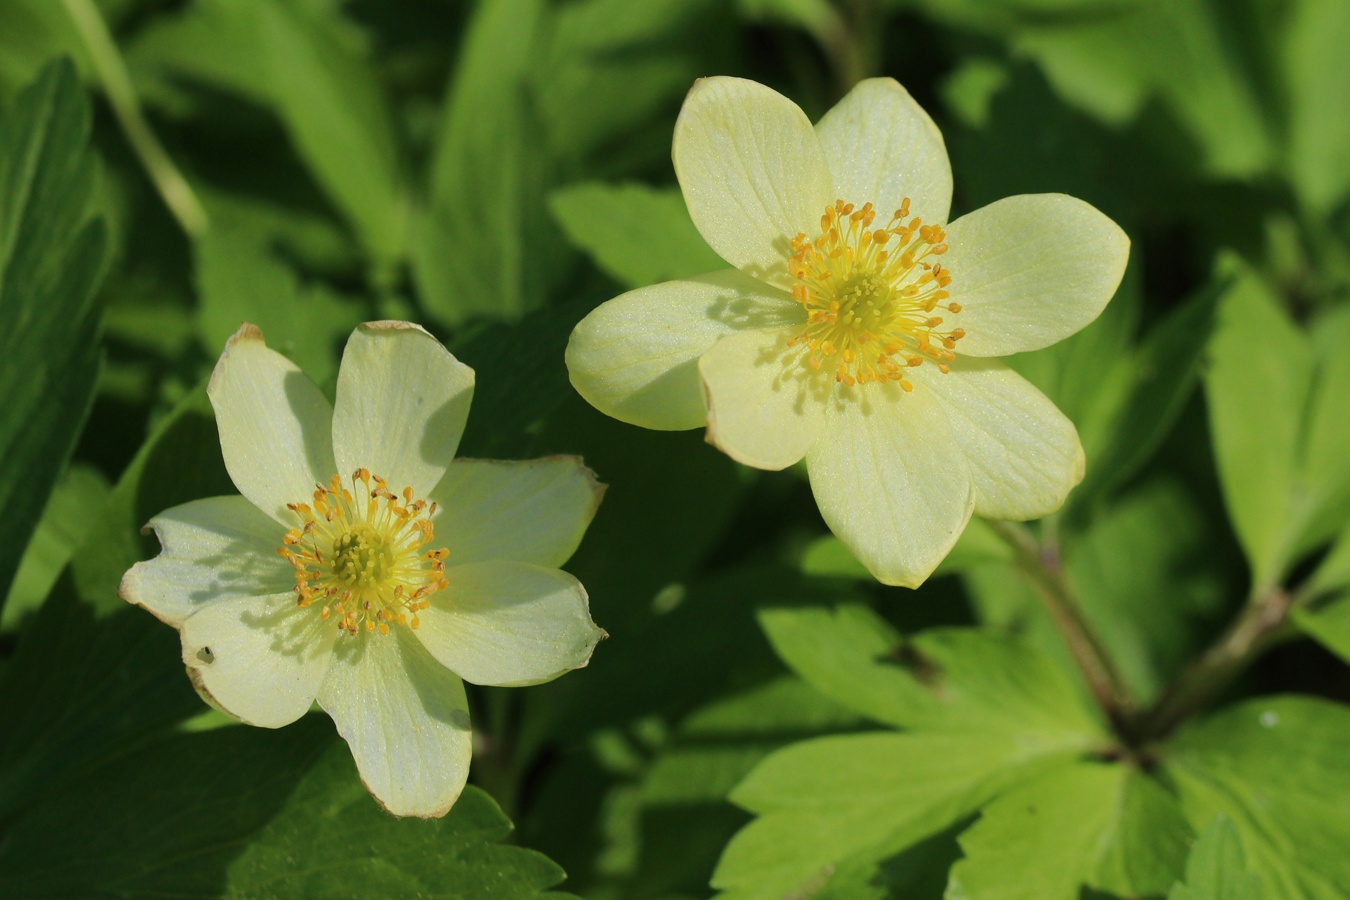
867	305
359	553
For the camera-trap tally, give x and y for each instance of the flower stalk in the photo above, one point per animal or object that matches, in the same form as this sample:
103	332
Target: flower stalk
1042	564
1259	626
112	74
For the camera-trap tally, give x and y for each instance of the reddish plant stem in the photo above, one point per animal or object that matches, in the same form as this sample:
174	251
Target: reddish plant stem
1260	625
1042	565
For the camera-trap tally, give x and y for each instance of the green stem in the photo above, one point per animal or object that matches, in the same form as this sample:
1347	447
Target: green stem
850	42
112	74
1260	625
1042	565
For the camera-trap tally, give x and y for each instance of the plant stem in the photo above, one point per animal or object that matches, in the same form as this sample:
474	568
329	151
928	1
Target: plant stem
1259	626
112	73
850	41
1042	564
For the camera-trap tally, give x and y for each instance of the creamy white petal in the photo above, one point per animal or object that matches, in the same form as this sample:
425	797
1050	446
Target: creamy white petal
752	172
635	358
1031	270
402	401
275	425
891	483
509	623
765	405
406	719
882	147
533	511
261	659
213	549
1024	454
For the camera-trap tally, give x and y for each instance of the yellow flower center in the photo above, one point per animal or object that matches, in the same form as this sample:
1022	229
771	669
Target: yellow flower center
870	295
359	553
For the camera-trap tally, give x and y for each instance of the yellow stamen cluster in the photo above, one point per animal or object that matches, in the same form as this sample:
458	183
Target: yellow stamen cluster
870	294
359	553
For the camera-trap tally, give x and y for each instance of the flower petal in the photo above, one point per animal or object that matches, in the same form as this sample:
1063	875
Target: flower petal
275	425
765	406
635	358
213	549
752	173
882	147
509	623
402	401
1024	453
891	483
1031	270
261	659
533	511
406	719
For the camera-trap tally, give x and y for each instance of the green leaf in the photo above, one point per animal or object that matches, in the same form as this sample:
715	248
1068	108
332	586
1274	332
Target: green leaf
607	69
825	801
1275	767
1107	64
475	250
458	855
208	42
1163	373
638	235
92	675
1261	369
849	654
1103	826
1153	543
952	680
987	714
240	281
970	89
1333	572
338	118
32	34
75	504
244	812
827	556
1325	460
1088	375
1217	867
1328	623
1312	53
51	262
717	745
164	819
1277	401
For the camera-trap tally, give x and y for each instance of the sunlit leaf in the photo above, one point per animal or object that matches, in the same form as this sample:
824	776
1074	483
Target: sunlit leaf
1260	372
73	507
1275	767
1107	64
1104	826
239	281
986	714
338	117
1318	80
638	235
473	248
1217	867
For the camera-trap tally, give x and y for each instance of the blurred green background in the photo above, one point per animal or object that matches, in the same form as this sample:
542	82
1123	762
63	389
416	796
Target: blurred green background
494	170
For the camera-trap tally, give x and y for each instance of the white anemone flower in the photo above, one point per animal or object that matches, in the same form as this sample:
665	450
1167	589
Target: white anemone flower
858	328
364	566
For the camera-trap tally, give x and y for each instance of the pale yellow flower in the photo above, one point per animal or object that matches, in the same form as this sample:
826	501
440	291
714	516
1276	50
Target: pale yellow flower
366	567
857	327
